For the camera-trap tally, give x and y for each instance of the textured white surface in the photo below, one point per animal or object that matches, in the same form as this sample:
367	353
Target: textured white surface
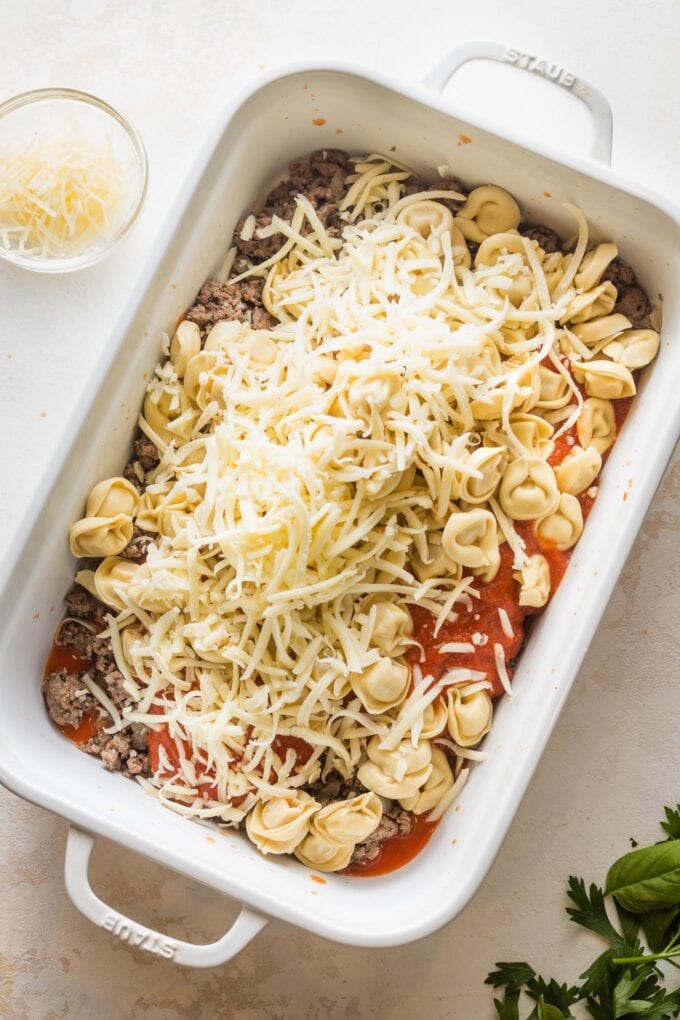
170	67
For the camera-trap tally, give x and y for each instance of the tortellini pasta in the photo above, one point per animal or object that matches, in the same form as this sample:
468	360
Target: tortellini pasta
471	539
562	528
595	330
528	489
534	580
555	389
533	433
434	719
239	339
596	425
111	575
382	685
489	462
488	210
111	497
438	783
594	264
634	348
184	345
429	219
204	378
169	413
107	527
470	713
276	826
578	470
593	304
437	564
510	242
336	829
392	627
396	773
608	380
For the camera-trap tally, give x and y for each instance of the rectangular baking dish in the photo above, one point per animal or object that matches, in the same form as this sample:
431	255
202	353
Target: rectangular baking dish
289	113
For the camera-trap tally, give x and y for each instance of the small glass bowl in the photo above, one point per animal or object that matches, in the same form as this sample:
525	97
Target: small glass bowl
26	113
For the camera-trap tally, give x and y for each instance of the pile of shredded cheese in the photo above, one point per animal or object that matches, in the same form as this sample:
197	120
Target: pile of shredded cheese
61	194
308	469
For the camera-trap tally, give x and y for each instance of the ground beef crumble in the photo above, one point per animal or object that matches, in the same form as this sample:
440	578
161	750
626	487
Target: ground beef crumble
395	822
66	703
545	237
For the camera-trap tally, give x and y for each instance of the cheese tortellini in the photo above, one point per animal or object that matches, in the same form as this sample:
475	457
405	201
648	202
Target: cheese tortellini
596	424
184	345
437	784
392	628
578	470
471	539
396	773
382	685
562	528
276	826
336	829
107	527
529	489
487	462
534	579
608	380
112	575
634	348
488	210
594	264
470	714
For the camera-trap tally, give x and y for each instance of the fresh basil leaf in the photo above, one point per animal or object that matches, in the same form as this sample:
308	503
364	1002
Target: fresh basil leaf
659	926
646	879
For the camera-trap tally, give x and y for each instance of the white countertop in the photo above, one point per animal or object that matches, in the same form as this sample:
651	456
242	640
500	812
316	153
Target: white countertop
171	67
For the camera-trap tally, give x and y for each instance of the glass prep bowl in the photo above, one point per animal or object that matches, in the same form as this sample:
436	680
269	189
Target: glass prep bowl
29	116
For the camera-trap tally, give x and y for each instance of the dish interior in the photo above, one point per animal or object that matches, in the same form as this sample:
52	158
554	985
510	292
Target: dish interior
283	119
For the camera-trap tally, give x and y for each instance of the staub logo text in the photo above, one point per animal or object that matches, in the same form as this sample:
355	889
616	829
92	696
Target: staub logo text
136	935
537	65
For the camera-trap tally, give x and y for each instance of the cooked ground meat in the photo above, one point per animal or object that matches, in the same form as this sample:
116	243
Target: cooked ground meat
134	472
122	752
334	787
545	237
78	636
61	689
114	680
321	178
137	546
633	303
451	184
217	302
102	653
80	603
147	453
394	822
620	273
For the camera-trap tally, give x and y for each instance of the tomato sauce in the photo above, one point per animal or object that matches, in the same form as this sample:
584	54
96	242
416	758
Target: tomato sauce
397	851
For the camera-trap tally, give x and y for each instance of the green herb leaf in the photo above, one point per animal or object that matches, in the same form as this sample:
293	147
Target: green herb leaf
546	1011
647	878
508	1008
672	824
553	994
589	910
659	926
513	976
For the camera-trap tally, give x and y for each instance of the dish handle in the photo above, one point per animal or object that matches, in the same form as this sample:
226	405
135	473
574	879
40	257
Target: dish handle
79	847
600	110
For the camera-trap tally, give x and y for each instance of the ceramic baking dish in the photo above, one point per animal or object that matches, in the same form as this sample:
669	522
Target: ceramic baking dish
296	110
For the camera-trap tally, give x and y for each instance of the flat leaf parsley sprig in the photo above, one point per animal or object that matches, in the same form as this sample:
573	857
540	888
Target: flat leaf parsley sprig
624	982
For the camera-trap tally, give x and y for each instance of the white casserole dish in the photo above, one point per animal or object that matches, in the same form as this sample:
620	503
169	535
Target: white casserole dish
267	126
